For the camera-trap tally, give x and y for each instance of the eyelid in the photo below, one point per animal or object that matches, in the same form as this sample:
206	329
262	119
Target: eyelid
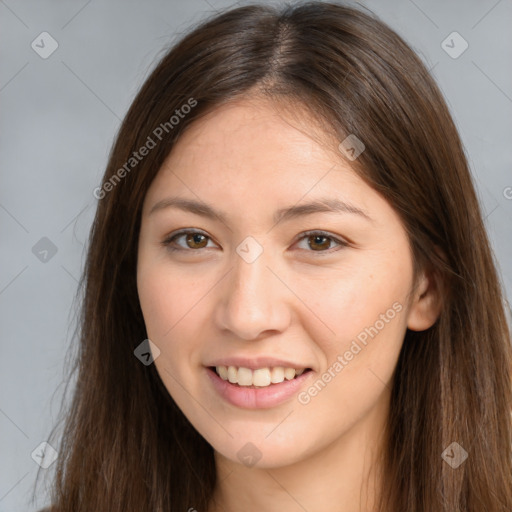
335	238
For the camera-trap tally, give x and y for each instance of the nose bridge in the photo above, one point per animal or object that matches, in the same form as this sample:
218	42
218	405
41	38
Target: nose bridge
251	278
253	299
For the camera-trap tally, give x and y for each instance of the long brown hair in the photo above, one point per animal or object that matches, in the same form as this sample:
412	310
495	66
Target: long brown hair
125	444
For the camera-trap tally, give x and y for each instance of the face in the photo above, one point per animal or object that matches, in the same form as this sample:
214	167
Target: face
242	274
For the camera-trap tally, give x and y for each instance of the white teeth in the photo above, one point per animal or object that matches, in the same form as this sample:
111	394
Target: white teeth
232	375
262	377
244	377
277	375
289	373
223	372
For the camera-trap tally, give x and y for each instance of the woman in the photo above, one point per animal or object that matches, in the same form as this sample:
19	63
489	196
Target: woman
290	301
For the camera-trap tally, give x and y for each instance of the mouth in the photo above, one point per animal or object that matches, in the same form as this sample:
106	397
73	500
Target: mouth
258	378
261	388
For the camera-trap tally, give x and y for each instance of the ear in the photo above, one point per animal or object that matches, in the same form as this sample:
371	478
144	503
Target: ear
426	302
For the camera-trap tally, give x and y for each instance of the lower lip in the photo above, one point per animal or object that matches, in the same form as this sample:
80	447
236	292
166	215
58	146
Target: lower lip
257	398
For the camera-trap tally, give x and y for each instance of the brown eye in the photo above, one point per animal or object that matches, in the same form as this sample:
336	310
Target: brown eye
196	240
319	242
193	241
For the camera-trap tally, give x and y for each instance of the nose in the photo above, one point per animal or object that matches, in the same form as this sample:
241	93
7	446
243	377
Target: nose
254	300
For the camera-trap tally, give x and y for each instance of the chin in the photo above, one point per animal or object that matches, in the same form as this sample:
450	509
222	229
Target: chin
256	452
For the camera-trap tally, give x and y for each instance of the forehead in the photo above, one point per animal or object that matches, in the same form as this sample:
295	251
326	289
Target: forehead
257	129
255	145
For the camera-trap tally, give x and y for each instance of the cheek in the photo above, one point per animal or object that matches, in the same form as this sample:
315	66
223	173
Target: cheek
359	359
357	300
174	305
364	306
168	305
169	299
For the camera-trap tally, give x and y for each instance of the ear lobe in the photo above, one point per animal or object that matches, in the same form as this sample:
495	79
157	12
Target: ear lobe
426	304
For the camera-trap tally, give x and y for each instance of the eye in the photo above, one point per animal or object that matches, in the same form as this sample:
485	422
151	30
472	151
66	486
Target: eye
193	240
319	241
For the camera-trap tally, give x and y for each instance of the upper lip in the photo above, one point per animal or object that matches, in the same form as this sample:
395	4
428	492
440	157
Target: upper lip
254	363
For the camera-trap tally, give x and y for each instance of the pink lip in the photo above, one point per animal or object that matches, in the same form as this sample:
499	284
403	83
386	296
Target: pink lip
257	398
254	363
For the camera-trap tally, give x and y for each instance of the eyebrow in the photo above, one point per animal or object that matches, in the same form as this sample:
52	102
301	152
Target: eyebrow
322	205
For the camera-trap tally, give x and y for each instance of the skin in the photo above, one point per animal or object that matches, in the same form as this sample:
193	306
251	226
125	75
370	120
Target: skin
298	300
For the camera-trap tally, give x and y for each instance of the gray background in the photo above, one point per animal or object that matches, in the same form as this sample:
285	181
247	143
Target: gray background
58	119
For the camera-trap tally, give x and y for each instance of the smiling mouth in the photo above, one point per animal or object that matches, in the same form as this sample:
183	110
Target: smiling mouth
259	378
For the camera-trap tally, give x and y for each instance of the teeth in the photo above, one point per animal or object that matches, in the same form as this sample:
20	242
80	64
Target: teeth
244	377
262	377
223	372
277	375
289	373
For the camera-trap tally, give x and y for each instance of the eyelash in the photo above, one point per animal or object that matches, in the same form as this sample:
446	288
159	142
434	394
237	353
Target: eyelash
171	238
